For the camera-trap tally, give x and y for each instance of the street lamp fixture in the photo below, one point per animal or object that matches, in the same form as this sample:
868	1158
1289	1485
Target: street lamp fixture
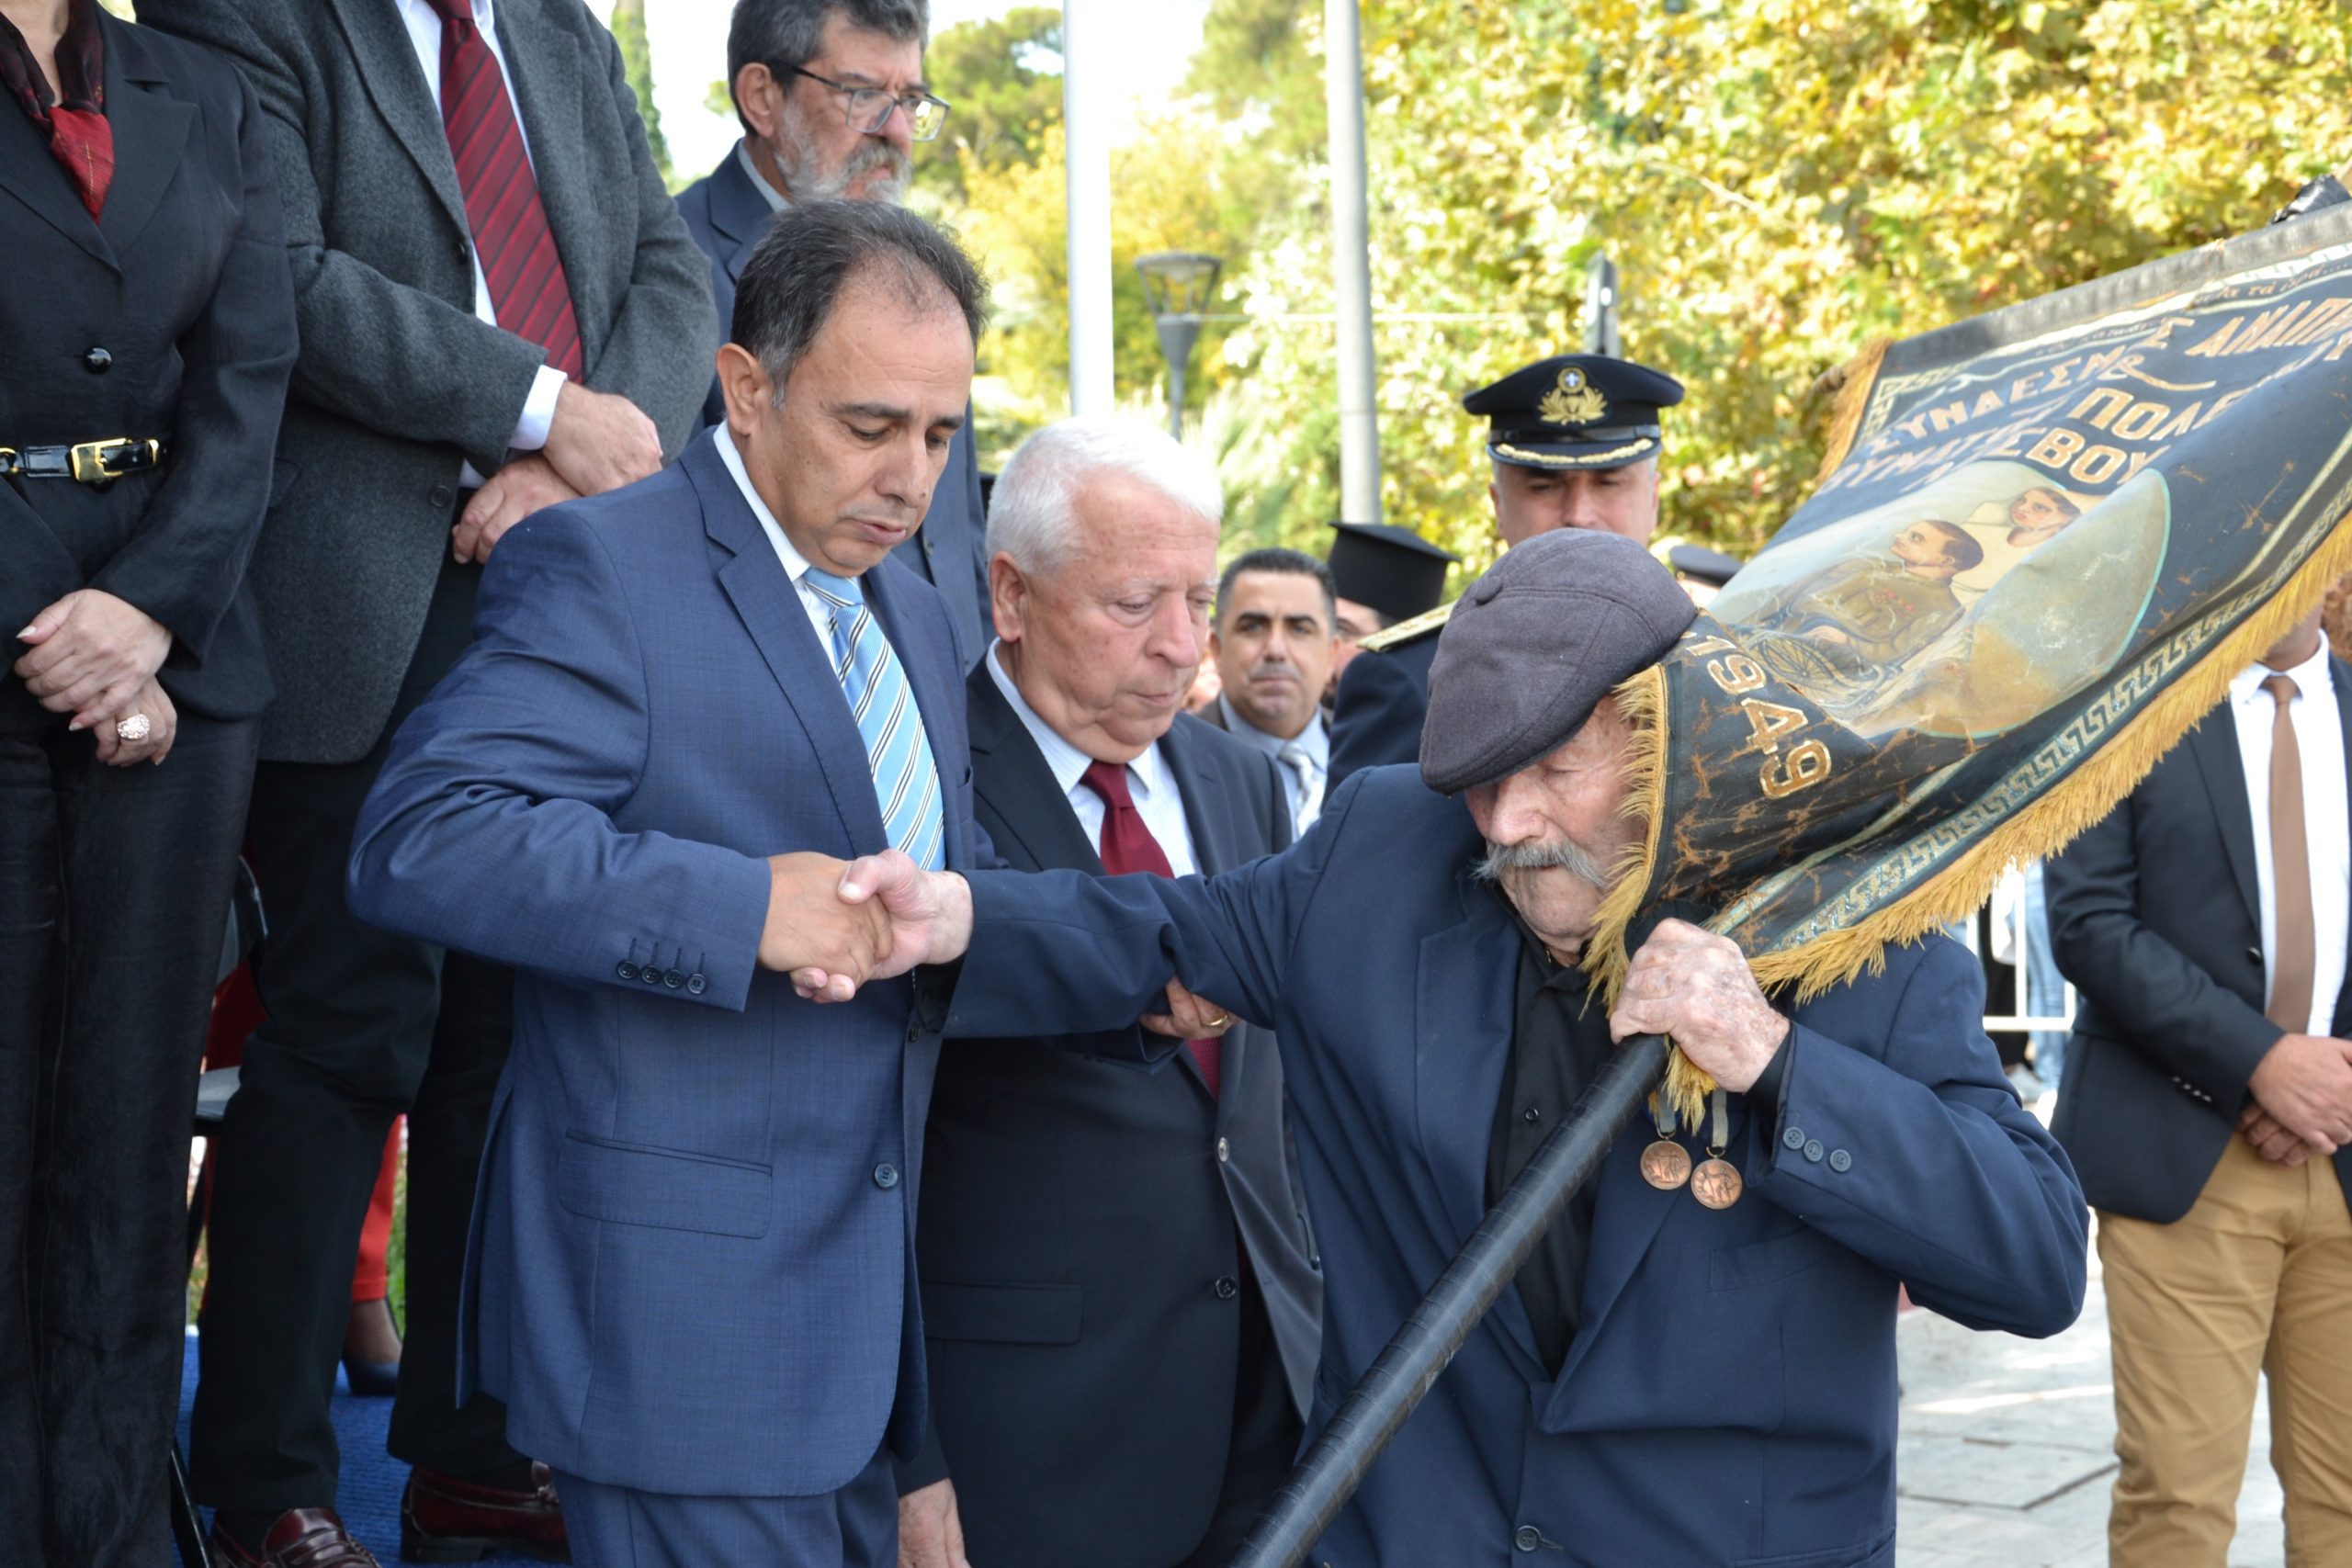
1180	284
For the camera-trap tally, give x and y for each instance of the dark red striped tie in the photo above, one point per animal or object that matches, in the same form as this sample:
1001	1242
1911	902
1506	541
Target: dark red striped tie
527	288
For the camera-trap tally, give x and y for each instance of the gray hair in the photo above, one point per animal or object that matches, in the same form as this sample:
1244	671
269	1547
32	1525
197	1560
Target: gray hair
1551	854
782	34
1033	512
813	250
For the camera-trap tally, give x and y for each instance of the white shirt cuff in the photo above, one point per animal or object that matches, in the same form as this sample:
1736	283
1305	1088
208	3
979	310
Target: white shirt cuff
538	409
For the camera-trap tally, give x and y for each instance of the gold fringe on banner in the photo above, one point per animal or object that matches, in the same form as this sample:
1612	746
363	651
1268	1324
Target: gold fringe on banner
1845	419
1958	890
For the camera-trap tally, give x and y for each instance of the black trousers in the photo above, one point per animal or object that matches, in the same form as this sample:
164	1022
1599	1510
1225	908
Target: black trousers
363	1026
114	890
1266	1433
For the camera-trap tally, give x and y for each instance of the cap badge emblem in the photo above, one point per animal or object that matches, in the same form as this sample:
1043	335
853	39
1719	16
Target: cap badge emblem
1574	400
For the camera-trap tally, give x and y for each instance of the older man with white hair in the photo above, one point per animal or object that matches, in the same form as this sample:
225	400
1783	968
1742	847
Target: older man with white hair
1120	1295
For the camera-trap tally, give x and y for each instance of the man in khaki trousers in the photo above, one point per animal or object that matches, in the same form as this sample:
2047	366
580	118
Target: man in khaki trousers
2207	924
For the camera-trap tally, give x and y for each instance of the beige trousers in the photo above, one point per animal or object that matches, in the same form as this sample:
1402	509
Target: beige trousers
2256	1279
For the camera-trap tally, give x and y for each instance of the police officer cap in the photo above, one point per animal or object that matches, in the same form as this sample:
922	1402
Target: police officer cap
1705	565
1535	645
1575	411
1393	570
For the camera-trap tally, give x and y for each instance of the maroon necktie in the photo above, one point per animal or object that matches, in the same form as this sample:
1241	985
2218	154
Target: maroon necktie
528	291
1127	845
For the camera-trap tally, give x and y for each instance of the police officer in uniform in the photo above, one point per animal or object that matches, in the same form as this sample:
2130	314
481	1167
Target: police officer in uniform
1575	442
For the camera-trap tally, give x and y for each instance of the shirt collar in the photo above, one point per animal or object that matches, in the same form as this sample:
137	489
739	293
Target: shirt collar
1315	739
1145	771
2312	675
796	565
775	198
485	18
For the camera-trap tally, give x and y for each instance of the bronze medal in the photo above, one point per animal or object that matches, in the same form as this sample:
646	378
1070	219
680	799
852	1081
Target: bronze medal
1666	1165
1716	1183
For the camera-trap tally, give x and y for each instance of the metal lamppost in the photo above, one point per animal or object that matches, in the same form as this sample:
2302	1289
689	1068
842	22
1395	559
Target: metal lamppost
1180	284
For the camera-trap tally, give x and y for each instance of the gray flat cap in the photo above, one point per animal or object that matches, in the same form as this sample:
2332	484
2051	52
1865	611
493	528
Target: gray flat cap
1535	644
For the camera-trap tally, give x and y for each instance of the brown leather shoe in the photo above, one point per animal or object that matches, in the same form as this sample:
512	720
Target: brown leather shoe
302	1538
444	1519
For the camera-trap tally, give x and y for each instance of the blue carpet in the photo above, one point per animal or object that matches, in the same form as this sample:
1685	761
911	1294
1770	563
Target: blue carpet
370	1498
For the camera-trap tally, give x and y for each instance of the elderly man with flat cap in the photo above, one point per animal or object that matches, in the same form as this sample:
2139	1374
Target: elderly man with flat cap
1574	443
1669	1382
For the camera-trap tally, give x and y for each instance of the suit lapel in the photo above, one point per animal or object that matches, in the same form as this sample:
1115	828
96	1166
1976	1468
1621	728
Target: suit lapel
385	57
2214	744
764	597
1463	1024
150	133
33	176
1009	774
1208	807
737	212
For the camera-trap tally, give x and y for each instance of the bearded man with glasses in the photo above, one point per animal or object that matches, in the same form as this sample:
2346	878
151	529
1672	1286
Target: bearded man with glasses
831	98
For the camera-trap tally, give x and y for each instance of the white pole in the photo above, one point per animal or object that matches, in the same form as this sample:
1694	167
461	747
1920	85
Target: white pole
1089	65
1351	263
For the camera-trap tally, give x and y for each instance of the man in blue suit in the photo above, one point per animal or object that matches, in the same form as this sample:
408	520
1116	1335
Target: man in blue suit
1668	1383
691	1276
831	99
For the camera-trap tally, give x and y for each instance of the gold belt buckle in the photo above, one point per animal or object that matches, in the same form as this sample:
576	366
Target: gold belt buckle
90	458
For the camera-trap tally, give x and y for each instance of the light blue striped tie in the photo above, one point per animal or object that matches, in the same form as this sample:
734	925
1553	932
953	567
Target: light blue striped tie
897	752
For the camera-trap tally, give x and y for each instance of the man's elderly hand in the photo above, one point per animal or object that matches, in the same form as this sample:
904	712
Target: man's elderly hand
926	918
91	653
1696	987
1188	1017
600	441
2271	1138
931	1532
513	493
809	926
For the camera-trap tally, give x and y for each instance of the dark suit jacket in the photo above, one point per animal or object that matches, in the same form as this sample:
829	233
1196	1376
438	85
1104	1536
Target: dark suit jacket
398	379
1079	1215
726	215
172	317
1730	1397
2155	915
1384	698
693	1265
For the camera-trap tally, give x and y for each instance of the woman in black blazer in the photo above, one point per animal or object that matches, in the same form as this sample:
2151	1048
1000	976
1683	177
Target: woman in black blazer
146	335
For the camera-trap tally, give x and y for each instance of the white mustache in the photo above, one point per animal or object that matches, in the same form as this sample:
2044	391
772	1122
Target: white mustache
1557	854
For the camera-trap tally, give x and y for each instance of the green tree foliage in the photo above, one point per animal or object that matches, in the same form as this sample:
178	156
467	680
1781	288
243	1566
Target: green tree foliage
1004	80
637	61
1781	181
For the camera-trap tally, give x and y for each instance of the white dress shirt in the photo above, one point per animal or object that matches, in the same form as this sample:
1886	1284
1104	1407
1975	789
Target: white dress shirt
1150	784
796	565
2327	817
774	197
1306	801
424	32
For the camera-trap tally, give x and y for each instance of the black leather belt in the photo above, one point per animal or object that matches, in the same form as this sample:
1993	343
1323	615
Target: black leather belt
91	463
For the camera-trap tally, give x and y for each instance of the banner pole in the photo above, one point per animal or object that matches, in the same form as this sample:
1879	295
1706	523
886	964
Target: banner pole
1335	1463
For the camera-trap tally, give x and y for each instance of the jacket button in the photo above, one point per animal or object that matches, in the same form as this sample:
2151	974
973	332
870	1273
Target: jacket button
674	978
98	361
625	969
442	497
1793	1138
696	984
1840	1161
1226	1289
650	974
886	1175
1224	1152
1814	1151
2253	955
1527	1538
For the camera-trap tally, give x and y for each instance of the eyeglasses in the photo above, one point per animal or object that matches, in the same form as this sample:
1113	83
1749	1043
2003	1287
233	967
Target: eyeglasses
868	109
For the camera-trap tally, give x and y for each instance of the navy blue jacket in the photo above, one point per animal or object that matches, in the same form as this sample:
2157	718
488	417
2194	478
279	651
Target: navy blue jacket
692	1266
1731	1396
727	214
1383	699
